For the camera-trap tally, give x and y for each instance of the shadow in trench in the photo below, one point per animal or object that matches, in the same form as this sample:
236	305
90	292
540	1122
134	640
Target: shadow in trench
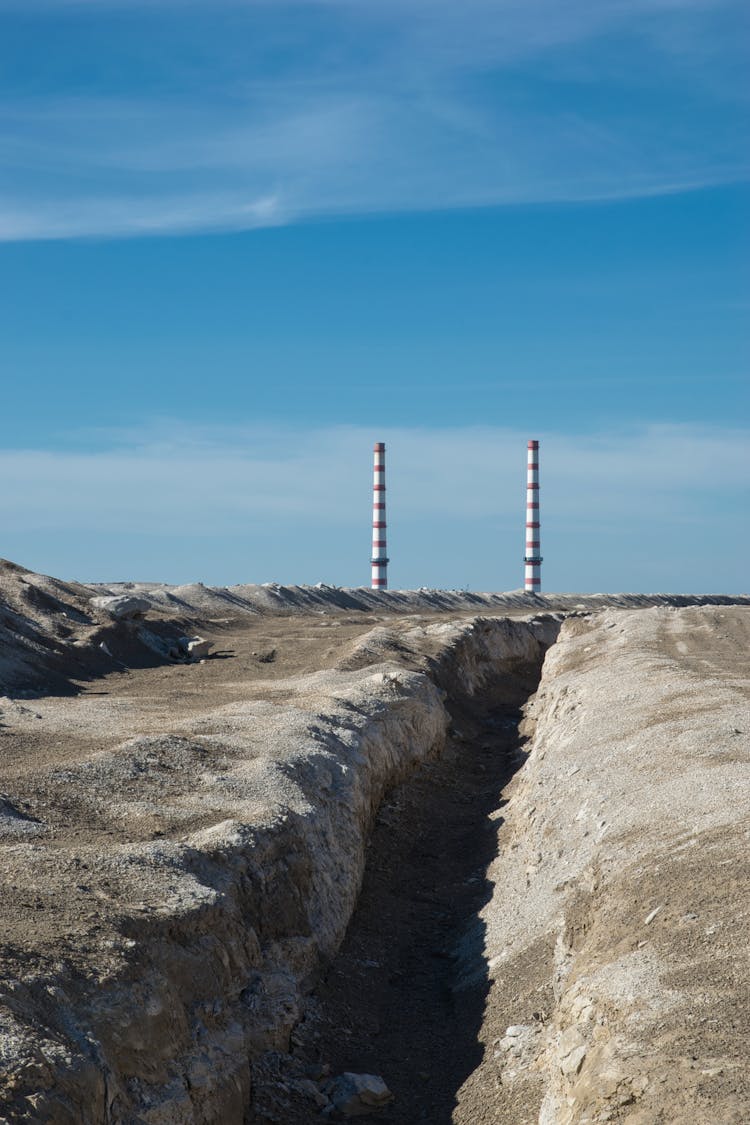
389	1004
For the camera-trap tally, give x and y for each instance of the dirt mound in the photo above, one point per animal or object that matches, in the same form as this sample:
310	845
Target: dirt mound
615	941
276	599
44	626
54	634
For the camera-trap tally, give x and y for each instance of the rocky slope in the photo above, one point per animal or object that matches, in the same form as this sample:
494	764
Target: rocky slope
274	598
53	633
169	897
615	943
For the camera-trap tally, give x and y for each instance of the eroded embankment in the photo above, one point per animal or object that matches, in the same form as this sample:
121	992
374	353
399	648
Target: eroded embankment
387	1005
158	968
616	937
56	635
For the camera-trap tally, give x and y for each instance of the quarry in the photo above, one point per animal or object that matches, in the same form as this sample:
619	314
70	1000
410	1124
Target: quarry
488	850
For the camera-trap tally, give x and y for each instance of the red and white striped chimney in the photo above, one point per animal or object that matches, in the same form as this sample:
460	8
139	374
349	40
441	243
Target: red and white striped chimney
532	559
379	558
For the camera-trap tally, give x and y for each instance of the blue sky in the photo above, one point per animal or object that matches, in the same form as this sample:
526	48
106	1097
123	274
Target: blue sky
240	241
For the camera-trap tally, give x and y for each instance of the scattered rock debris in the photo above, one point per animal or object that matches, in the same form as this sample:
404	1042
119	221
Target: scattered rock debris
191	649
354	1095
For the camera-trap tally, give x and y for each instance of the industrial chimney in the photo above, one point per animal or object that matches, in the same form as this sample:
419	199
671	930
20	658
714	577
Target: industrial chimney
532	558
379	559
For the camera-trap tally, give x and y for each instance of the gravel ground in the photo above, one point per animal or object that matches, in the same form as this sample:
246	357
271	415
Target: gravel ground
183	845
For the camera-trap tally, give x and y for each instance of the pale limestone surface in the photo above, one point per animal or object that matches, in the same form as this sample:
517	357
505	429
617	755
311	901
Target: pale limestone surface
616	938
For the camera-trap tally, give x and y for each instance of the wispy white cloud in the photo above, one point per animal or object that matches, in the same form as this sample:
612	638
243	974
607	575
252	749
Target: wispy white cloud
158	477
646	508
383	106
113	216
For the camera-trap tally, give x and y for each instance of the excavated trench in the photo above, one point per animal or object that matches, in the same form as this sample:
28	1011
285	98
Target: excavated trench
209	906
320	915
395	1001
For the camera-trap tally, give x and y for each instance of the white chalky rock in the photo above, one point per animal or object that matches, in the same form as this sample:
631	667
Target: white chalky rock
122	606
198	648
357	1094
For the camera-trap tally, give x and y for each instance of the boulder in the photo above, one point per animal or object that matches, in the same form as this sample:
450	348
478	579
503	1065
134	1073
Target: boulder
123	606
198	648
355	1095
